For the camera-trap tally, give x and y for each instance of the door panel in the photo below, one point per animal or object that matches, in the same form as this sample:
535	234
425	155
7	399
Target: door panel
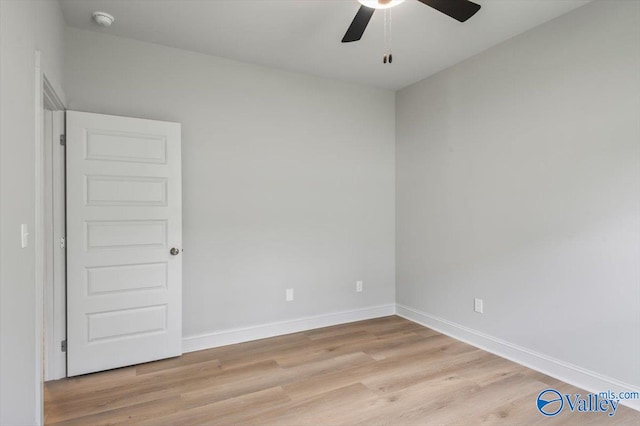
126	191
124	288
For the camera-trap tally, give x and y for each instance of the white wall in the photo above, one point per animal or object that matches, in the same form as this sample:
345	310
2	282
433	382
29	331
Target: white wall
24	27
288	179
518	181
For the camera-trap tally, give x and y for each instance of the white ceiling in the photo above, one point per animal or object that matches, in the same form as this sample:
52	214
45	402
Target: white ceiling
304	35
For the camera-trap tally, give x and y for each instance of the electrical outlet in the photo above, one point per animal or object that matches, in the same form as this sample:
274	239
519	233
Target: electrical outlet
289	295
359	286
478	305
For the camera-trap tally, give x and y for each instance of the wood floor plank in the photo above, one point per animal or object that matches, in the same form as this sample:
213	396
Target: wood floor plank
373	325
181	361
89	382
129	414
335	348
228	411
340	406
386	371
238	385
411	372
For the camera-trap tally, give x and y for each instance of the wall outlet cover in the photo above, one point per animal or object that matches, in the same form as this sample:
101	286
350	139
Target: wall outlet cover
478	305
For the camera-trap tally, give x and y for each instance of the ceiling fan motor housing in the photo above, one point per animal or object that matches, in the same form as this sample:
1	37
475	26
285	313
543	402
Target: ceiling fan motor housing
460	10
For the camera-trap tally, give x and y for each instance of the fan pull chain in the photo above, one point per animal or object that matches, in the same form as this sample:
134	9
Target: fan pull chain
388	56
390	39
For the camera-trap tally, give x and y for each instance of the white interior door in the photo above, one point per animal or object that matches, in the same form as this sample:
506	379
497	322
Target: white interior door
124	221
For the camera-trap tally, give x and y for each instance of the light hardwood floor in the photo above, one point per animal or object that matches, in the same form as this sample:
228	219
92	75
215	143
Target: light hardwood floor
386	371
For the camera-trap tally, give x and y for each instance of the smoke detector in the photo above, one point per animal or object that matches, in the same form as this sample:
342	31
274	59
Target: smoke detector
103	19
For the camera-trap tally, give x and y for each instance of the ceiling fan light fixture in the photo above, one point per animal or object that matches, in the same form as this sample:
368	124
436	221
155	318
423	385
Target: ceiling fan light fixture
380	4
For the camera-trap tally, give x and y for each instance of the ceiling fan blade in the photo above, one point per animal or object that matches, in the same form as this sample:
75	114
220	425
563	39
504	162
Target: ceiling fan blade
359	24
460	10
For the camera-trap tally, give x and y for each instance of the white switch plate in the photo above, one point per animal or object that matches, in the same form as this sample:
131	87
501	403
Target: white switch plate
478	305
24	233
289	295
359	286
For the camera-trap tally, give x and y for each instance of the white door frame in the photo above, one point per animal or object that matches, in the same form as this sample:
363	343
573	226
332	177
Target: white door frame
55	362
44	92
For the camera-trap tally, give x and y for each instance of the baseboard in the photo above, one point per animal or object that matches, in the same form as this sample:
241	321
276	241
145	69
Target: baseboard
239	335
569	373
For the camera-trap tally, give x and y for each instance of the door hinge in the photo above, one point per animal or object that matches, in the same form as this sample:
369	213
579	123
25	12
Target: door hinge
63	345
62	242
63	140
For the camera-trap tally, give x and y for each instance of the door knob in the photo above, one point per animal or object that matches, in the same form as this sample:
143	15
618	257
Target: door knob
174	251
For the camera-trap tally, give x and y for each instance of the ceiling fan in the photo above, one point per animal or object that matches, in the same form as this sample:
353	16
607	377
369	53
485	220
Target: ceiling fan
460	10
